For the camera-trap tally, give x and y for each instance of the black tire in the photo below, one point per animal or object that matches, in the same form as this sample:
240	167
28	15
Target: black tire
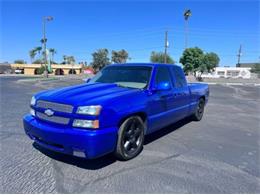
130	138
197	116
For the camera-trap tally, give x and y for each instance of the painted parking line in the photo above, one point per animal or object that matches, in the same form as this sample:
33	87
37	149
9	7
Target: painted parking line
235	84
211	83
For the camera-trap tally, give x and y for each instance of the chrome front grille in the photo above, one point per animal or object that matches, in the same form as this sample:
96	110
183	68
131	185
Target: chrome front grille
54	119
55	106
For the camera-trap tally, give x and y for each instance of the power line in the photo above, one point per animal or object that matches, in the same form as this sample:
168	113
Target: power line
129	50
220	31
173	33
159	30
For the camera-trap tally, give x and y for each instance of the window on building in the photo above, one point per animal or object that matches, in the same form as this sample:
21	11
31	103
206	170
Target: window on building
221	73
232	73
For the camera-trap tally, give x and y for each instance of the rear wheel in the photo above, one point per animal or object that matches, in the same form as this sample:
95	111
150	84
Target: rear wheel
197	116
130	138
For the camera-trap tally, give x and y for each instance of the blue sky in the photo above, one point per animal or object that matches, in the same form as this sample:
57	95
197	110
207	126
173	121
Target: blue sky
81	27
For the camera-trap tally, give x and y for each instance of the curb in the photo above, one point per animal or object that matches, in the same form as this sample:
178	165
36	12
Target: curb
235	84
35	80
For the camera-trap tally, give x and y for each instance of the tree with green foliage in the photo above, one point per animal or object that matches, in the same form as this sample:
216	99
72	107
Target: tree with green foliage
38	61
32	54
100	59
64	59
158	57
52	53
196	62
211	60
38	50
19	62
40	70
119	56
71	60
192	60
68	59
256	69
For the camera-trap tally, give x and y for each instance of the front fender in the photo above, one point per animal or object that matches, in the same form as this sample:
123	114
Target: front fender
123	107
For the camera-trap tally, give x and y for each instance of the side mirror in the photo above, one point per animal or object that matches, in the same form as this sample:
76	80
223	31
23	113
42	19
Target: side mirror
87	80
163	86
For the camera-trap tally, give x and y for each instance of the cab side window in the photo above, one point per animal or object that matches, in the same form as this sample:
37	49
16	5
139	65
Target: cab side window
163	75
179	77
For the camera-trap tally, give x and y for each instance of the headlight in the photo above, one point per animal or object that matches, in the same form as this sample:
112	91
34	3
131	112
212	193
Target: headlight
32	112
33	101
89	110
86	123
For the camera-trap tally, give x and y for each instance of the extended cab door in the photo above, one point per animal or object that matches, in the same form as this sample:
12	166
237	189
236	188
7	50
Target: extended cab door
179	104
159	104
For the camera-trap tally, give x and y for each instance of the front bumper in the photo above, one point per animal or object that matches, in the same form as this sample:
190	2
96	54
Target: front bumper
69	140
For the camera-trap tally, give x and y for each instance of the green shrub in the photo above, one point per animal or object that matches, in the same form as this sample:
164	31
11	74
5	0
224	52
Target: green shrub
40	70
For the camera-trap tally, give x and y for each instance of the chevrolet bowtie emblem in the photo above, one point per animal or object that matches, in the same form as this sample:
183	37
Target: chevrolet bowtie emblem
49	112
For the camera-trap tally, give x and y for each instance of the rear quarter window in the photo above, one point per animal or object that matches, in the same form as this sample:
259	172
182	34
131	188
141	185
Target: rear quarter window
180	80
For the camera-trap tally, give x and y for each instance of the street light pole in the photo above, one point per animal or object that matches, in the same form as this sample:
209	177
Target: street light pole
186	34
45	18
44	47
165	47
186	15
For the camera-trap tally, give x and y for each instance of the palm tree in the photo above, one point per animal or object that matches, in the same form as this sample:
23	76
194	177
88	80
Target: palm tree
65	58
53	52
71	60
38	50
32	54
42	40
68	59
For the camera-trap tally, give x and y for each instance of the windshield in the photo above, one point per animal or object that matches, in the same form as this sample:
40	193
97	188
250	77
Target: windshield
126	76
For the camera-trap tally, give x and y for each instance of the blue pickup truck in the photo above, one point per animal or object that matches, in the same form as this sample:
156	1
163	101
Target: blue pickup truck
114	110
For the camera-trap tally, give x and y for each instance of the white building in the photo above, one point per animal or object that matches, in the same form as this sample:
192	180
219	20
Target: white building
229	72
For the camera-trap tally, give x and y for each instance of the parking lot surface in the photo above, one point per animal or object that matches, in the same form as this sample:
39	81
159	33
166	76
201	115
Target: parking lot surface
219	154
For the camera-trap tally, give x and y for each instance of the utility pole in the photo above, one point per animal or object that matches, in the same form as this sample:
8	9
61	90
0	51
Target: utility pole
239	55
186	15
166	46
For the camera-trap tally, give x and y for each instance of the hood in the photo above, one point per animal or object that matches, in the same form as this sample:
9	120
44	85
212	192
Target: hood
85	94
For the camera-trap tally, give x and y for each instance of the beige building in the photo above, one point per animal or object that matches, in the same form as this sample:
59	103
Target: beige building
58	69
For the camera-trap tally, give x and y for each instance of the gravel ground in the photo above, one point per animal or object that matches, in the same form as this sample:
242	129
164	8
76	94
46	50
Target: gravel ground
219	154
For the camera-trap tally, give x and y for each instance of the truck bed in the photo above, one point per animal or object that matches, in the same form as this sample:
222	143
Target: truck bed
198	90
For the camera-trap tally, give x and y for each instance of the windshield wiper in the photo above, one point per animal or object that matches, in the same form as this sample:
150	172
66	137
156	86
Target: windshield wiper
120	85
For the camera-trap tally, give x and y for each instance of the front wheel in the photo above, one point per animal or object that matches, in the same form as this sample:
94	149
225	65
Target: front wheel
130	138
197	116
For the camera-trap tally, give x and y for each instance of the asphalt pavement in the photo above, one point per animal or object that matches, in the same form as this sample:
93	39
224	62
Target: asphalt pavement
219	154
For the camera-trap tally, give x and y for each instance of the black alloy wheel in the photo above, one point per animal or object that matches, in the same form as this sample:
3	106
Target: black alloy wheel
199	110
130	138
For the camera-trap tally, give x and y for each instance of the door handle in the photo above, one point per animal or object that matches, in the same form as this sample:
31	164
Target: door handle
167	96
179	94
